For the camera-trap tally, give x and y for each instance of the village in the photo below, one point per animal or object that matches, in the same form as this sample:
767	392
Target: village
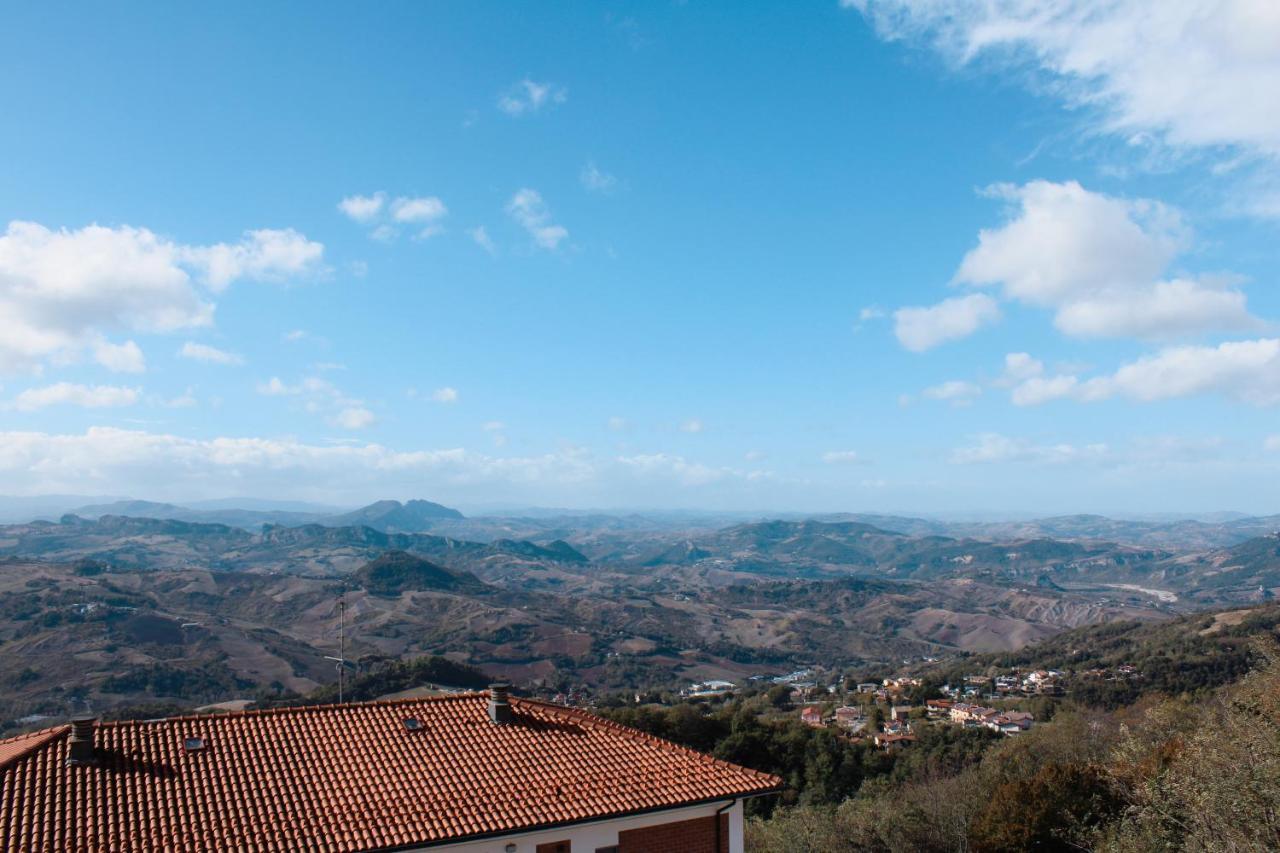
892	711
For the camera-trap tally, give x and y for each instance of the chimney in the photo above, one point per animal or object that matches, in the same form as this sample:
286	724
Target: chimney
81	744
500	703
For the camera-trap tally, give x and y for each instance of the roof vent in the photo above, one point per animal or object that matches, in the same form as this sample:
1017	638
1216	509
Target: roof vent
80	747
412	724
193	744
500	703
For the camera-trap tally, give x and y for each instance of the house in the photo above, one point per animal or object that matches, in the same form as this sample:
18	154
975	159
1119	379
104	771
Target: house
706	689
811	716
471	772
868	687
937	708
899	712
848	716
893	741
1011	722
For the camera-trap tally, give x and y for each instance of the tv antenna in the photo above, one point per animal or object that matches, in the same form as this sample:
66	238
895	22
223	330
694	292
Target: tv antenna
341	659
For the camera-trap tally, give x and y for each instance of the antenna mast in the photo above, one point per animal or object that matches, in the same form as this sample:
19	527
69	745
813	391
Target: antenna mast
341	659
342	640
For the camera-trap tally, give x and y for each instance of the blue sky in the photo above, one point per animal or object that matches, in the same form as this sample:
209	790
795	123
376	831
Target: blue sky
899	256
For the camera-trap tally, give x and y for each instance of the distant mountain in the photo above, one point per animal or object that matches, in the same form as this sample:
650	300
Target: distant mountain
249	519
17	509
399	571
395	517
135	509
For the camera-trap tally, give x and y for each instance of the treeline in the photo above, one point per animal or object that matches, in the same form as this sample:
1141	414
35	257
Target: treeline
1168	774
383	677
819	766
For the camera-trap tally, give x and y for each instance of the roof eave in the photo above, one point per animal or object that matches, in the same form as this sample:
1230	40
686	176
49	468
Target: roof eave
480	836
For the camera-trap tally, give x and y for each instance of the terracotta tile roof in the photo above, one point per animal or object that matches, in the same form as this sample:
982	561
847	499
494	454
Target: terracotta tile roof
345	778
14	748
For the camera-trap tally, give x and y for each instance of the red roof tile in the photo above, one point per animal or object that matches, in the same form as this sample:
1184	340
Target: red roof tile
345	778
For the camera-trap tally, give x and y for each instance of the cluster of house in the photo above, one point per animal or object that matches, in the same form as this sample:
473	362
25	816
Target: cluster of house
978	716
575	697
893	733
708	689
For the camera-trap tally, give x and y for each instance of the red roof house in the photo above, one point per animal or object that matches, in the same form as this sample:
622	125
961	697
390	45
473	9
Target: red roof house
467	770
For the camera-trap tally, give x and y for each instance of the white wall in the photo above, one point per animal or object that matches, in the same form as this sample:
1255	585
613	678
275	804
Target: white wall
588	836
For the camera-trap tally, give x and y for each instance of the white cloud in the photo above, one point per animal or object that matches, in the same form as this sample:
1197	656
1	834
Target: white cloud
693	425
425	209
871	312
208	354
1271	443
62	291
618	424
445	395
275	388
363	208
841	457
480	236
174	467
295	335
1242	370
667	466
1035	390
957	392
1166	309
995	448
185	400
267	254
529	96
1020	366
919	329
594	180
754	455
353	417
1194	72
1098	261
529	210
120	358
1065	240
68	394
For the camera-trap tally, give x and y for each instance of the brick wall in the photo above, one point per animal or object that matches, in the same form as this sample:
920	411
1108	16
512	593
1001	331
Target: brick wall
686	836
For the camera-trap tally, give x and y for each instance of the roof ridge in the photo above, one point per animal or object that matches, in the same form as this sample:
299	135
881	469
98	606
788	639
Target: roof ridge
20	746
298	709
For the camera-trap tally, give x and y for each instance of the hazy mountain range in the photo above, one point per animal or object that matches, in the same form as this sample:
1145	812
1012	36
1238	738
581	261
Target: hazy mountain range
161	601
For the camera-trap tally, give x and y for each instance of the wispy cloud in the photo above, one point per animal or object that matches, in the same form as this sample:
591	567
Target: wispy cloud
529	210
529	96
480	236
69	394
595	180
209	355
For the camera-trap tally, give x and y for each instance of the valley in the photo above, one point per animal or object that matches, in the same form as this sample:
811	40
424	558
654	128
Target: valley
118	610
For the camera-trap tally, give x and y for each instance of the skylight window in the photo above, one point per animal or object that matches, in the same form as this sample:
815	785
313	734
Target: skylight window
193	744
412	724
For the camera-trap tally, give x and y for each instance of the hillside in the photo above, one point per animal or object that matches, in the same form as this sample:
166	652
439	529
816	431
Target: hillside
396	572
1186	655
